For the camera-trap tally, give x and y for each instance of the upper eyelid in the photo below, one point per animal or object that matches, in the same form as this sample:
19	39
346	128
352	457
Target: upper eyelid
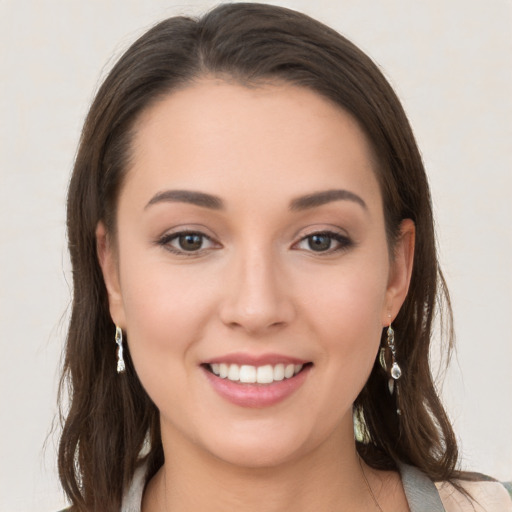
175	234
316	230
184	229
332	234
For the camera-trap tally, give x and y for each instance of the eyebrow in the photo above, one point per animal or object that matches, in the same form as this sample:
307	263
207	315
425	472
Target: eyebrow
215	203
187	196
328	196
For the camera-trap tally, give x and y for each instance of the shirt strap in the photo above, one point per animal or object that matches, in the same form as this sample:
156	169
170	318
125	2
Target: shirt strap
422	494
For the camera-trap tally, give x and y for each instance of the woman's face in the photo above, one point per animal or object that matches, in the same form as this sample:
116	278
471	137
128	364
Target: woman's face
251	241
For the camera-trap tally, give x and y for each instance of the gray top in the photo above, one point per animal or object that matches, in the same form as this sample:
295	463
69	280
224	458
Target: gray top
422	495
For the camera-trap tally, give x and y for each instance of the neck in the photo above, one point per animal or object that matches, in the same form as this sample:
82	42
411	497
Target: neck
326	478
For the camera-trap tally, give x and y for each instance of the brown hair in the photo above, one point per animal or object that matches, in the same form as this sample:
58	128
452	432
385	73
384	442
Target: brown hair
111	418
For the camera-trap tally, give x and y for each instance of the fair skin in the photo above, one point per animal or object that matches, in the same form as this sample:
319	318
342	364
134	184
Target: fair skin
263	274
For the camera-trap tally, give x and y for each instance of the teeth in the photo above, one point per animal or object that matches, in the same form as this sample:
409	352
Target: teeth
247	374
288	371
265	374
255	374
234	372
279	372
223	370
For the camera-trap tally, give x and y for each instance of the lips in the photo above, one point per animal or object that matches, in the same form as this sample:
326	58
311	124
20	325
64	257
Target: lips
256	381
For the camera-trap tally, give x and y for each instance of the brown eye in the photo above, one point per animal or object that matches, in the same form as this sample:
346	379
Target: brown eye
187	242
324	242
319	242
190	241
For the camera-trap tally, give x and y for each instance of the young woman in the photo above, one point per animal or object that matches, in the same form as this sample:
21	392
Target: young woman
254	267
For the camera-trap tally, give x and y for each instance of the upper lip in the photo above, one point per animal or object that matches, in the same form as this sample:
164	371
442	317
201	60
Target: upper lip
255	360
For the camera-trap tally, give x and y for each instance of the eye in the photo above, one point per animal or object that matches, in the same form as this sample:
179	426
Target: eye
186	242
324	241
319	242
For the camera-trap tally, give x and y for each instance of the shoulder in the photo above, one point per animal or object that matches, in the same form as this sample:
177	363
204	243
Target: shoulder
488	496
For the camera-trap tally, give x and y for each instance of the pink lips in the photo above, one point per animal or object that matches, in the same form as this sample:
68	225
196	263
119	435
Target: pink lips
255	360
256	395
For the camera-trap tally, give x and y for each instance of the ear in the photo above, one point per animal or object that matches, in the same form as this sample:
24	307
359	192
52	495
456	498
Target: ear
400	271
107	257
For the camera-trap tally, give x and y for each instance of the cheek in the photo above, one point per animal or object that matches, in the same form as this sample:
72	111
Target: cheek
347	300
346	311
165	311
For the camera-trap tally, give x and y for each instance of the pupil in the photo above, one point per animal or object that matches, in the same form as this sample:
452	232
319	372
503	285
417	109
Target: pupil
191	242
319	242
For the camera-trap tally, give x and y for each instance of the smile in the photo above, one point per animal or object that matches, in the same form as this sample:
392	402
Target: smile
264	383
249	374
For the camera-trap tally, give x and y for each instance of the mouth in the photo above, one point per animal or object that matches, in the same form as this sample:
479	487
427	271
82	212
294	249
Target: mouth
256	381
249	374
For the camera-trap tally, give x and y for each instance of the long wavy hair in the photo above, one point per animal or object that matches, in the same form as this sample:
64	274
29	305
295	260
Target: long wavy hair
110	424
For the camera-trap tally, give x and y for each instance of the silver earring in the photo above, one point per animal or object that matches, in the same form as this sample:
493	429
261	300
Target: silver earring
120	360
395	370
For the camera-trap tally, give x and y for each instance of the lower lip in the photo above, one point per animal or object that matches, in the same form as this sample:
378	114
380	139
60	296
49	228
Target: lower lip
256	395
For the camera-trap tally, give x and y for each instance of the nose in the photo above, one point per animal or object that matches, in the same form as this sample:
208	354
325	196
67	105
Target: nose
257	298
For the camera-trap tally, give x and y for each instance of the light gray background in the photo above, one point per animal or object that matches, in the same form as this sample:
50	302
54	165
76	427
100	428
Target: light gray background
449	61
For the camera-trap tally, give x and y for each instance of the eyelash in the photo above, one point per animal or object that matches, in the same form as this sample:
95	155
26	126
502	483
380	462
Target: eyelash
166	240
344	242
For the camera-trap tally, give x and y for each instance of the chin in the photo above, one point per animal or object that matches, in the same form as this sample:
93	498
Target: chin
259	447
257	455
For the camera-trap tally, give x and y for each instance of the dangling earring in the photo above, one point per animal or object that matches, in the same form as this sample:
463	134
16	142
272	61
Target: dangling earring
395	371
120	360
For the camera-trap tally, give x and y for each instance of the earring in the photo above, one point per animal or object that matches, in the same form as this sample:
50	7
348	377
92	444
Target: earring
395	371
120	360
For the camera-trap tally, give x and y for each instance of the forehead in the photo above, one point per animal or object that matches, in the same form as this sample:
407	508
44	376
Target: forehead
225	137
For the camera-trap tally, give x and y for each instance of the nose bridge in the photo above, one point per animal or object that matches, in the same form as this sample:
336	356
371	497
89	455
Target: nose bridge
256	296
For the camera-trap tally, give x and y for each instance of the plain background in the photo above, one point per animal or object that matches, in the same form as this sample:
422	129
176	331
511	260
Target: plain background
449	61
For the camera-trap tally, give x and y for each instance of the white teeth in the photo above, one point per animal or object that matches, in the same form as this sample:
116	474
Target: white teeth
234	372
265	374
223	370
255	374
247	373
279	372
289	370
